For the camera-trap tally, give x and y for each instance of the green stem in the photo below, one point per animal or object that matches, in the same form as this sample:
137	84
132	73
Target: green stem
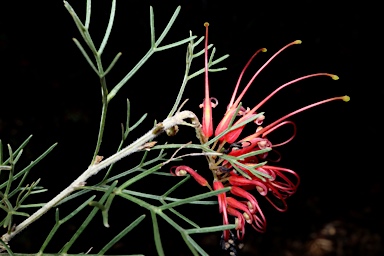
117	87
102	126
104	95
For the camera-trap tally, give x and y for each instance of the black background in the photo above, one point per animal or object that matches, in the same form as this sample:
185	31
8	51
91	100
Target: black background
48	90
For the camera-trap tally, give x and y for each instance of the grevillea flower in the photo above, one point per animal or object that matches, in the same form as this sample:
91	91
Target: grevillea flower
242	163
182	170
207	105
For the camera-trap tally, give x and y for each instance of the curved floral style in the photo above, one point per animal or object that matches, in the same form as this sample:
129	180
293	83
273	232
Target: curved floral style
248	175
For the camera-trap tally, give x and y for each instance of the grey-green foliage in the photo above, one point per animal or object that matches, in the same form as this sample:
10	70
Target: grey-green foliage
159	206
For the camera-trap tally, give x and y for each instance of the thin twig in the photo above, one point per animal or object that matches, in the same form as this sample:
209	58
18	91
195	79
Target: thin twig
168	123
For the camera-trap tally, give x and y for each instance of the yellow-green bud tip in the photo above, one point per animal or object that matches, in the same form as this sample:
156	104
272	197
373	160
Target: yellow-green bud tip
264	49
206	24
298	42
346	98
335	77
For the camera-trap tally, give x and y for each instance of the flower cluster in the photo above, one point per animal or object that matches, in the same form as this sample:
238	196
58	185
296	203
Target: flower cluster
247	173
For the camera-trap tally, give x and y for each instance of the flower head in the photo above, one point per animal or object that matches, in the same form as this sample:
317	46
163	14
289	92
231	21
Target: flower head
242	164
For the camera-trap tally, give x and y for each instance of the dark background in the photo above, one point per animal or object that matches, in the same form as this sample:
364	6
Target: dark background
48	90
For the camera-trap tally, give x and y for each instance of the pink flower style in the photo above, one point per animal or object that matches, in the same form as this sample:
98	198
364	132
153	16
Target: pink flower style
274	183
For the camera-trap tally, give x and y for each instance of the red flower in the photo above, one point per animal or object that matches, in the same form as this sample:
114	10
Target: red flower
222	199
274	183
240	222
207	105
182	170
